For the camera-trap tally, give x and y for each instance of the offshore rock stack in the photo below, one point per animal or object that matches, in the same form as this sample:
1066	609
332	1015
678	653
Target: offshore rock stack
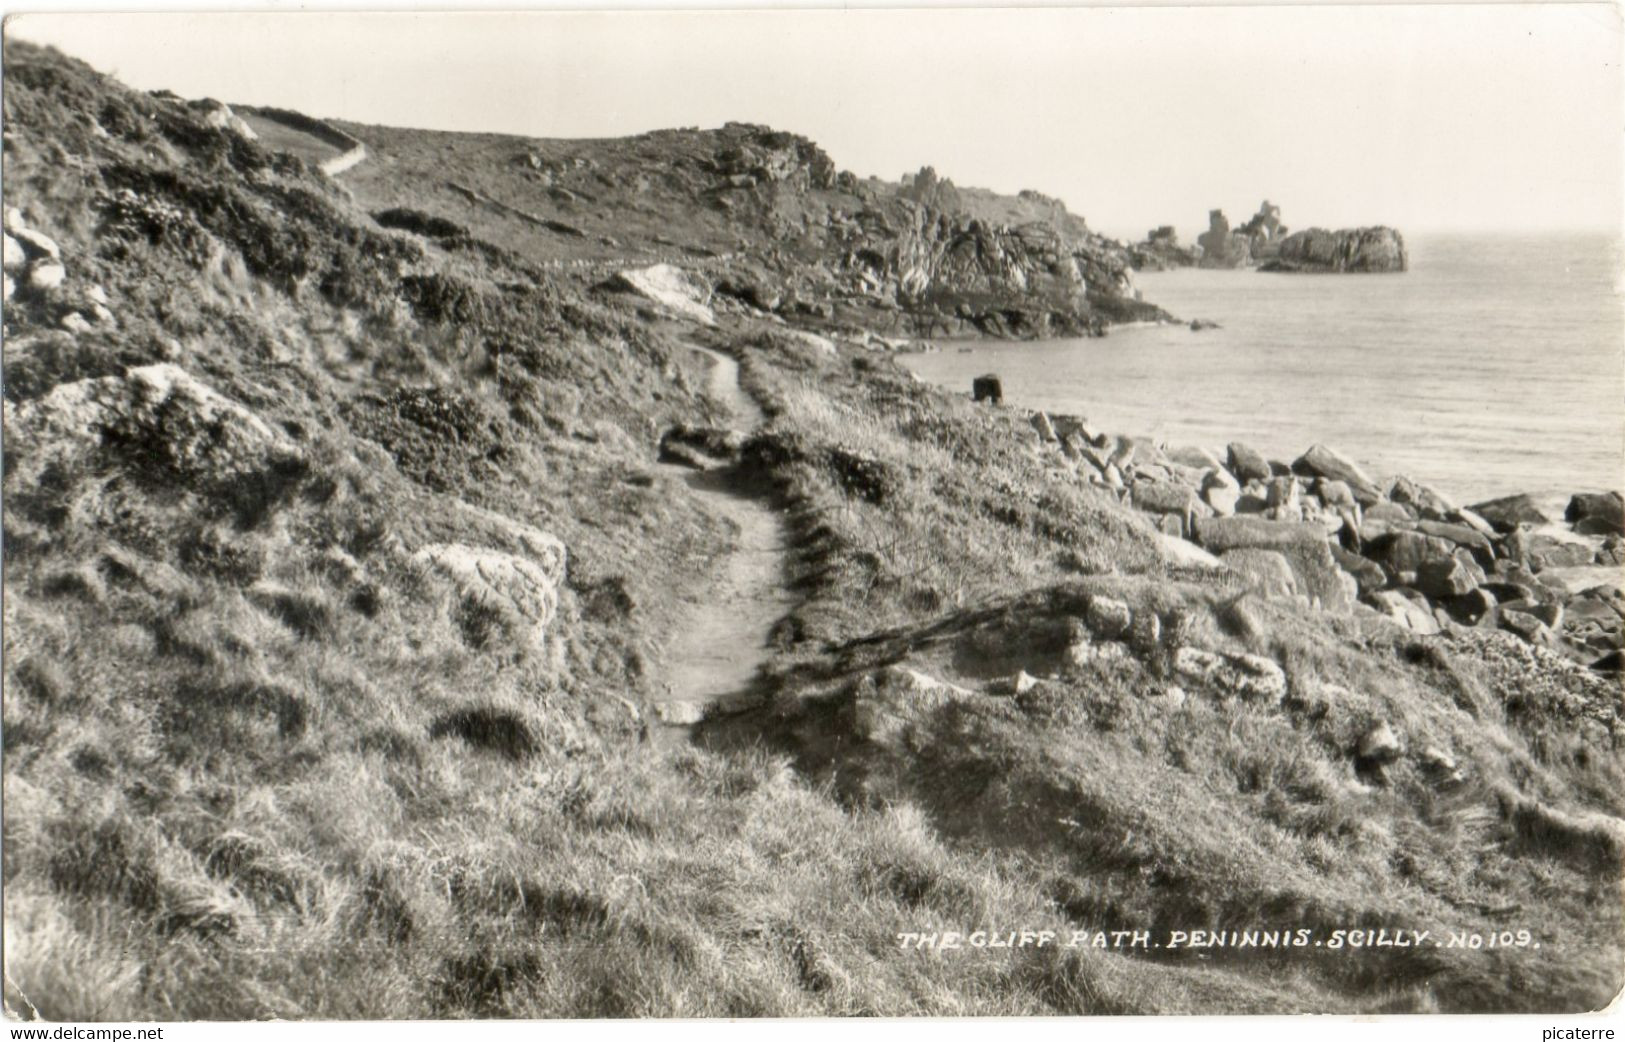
1321	530
1263	242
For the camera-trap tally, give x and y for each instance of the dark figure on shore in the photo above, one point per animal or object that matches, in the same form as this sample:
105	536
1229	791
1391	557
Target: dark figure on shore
987	387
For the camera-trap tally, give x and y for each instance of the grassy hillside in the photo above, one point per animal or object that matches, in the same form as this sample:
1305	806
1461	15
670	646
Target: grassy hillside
268	752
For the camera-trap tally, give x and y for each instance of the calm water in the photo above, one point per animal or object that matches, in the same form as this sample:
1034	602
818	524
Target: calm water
1495	365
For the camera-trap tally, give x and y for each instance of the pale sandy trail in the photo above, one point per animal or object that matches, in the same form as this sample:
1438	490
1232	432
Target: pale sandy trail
715	656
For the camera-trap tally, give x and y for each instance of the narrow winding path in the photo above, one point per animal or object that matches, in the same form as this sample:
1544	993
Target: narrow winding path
716	656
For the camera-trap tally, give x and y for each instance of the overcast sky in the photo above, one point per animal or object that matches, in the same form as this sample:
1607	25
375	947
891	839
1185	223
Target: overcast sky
1440	117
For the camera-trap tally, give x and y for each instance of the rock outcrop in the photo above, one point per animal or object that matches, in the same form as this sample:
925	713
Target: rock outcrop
1371	250
921	256
1264	241
671	287
1161	251
1508	512
1264	231
1250	677
953	272
757	155
894	699
519	593
1221	247
1301	544
219	115
158	416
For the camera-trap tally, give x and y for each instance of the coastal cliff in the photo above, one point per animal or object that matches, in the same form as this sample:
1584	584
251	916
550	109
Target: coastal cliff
766	219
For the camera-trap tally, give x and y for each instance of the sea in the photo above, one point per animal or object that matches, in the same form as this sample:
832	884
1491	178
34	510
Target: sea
1495	365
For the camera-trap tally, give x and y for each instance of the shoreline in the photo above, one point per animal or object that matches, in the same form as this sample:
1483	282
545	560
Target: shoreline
1554	497
1319	528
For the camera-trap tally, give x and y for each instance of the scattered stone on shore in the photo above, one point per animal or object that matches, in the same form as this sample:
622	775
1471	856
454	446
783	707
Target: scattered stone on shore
1221	500
1187	554
1323	462
1405	612
1323	531
1302	544
1601	513
1267	570
1246	463
1508	512
1445	577
1045	429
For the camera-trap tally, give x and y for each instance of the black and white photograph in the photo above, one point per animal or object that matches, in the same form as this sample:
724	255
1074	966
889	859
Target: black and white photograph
813	513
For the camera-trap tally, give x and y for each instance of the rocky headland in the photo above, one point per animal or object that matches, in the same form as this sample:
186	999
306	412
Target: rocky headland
778	232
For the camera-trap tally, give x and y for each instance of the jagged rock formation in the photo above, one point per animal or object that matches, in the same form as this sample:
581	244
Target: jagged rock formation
1375	249
1263	240
1161	251
1264	231
927	253
757	155
1221	247
928	189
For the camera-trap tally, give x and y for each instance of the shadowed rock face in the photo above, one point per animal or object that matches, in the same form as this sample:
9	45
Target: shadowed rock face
1375	249
929	257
